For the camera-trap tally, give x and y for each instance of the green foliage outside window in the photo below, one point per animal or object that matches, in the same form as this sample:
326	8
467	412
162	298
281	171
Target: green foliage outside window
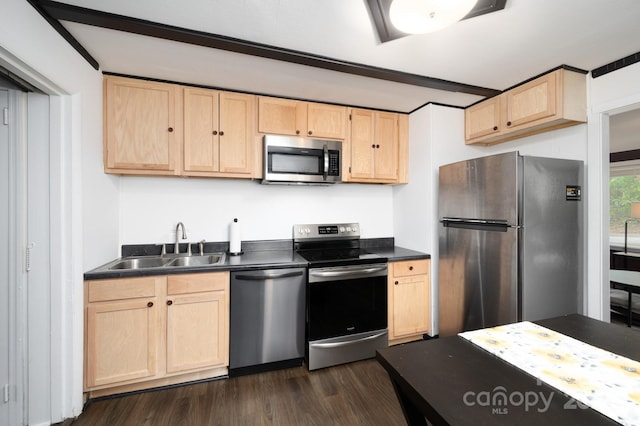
623	190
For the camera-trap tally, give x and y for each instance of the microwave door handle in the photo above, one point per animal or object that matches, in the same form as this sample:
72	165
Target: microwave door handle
326	162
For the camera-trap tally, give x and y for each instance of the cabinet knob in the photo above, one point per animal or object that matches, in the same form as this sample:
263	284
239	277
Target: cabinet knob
149	305
377	146
221	133
508	123
169	302
397	282
495	128
411	268
215	132
297	132
170	129
310	132
373	145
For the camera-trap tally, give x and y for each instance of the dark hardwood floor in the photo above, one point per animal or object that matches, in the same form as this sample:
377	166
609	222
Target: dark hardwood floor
358	393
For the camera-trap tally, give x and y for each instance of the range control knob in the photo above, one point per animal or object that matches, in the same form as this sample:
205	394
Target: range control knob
348	229
342	229
354	229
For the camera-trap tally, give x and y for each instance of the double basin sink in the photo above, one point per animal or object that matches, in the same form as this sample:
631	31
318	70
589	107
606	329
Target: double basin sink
145	262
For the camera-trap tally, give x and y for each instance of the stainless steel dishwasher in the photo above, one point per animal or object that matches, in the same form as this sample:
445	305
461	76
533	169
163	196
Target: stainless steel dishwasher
267	320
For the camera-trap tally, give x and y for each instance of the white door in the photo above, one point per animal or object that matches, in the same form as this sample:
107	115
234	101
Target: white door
5	319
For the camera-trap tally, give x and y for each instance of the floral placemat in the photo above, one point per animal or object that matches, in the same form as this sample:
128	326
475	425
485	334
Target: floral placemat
596	378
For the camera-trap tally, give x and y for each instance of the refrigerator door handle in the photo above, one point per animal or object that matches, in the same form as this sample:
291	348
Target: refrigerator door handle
479	224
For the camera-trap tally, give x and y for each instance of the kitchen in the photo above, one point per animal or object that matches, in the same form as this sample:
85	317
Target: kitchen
106	212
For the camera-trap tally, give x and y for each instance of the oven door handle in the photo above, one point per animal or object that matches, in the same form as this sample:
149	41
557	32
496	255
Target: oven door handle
346	273
347	343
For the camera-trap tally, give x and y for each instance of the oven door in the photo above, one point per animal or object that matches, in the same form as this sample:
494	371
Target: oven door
346	300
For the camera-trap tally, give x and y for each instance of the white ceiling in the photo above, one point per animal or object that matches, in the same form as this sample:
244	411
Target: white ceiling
496	50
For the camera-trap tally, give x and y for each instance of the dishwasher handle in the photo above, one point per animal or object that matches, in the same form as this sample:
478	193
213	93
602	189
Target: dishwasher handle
262	277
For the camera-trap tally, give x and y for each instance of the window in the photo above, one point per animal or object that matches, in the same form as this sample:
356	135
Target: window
624	189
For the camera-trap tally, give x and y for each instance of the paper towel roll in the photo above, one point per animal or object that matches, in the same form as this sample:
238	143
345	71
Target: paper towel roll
234	237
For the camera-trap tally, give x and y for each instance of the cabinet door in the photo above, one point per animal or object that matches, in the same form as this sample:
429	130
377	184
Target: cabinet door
197	331
386	151
532	101
122	340
410	305
141	129
201	153
236	132
362	144
282	116
482	119
326	121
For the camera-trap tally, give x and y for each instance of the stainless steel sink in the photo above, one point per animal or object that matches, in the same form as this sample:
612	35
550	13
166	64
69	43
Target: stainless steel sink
206	260
168	262
140	263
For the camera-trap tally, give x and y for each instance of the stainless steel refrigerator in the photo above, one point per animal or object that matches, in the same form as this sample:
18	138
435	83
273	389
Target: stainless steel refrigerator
510	241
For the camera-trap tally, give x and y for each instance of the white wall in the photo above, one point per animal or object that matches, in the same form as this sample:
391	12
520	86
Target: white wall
151	207
31	49
610	94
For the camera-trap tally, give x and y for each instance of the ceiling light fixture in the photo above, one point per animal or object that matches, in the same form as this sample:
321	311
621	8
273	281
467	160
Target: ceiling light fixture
427	16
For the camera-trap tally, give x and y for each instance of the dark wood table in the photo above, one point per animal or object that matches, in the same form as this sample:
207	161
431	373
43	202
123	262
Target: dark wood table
447	380
628	281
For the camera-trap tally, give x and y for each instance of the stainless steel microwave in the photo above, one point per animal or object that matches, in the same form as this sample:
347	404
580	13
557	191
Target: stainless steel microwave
296	160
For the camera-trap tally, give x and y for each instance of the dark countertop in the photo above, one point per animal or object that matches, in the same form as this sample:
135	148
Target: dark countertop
257	255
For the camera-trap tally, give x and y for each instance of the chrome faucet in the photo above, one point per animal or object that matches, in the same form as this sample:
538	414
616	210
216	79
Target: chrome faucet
176	247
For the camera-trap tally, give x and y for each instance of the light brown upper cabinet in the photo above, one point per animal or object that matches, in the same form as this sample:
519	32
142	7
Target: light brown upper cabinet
552	101
218	133
376	151
153	128
142	127
298	118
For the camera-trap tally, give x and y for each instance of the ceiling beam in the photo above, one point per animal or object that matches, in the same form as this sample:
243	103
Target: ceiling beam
64	33
65	12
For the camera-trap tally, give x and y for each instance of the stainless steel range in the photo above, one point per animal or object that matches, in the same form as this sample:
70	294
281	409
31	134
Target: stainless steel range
346	295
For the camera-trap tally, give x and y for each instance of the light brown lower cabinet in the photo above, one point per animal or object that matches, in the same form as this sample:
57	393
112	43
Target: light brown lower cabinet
154	331
409	300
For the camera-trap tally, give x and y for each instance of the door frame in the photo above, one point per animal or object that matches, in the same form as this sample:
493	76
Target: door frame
597	295
61	356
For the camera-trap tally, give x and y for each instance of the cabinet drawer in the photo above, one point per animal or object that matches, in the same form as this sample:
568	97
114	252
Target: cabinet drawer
410	267
122	288
197	283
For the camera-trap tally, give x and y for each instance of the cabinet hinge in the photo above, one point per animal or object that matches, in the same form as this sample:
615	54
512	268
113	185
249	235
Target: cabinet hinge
349	169
5	116
27	257
349	117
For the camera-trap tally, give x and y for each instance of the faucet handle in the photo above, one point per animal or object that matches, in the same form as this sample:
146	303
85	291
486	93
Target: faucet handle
188	249
201	246
163	251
